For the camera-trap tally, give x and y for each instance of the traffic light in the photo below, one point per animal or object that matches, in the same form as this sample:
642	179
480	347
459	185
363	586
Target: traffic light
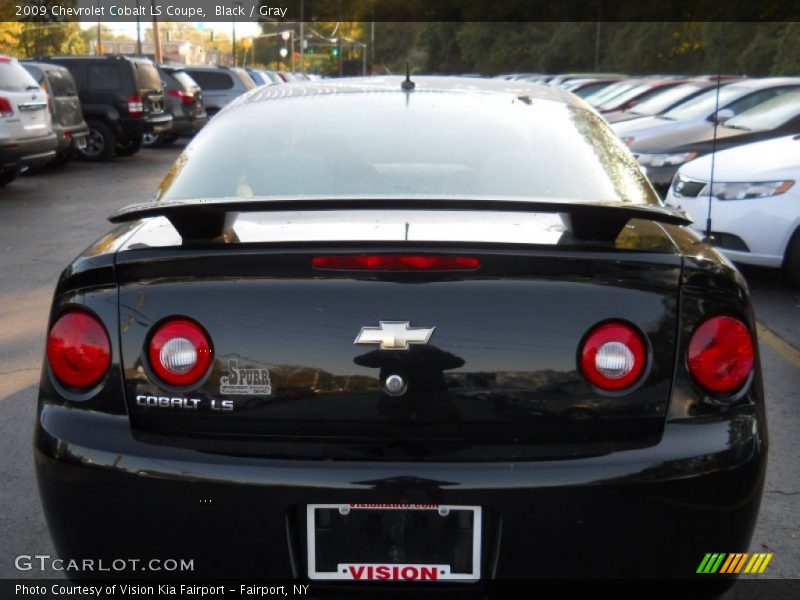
334	52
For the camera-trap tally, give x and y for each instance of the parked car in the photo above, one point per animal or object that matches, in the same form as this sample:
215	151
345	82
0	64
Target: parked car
297	250
122	99
65	107
698	112
183	98
755	201
220	85
274	77
287	76
662	155
586	87
664	101
565	78
610	91
259	77
631	97
26	126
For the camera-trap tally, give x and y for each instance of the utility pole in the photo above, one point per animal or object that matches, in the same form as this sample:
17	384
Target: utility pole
302	38
138	30
291	53
156	36
233	34
339	51
372	46
597	47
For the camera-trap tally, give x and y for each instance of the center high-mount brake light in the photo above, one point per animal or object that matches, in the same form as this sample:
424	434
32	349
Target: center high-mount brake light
395	262
78	349
613	356
135	106
721	354
180	352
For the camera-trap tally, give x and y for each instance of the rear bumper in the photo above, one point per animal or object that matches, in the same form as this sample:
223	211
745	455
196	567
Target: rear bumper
14	152
68	136
651	512
134	128
184	125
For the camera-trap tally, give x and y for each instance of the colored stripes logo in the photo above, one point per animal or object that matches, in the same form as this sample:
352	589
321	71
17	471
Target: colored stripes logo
734	563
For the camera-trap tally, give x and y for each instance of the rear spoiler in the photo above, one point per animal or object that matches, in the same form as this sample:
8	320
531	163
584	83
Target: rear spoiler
206	220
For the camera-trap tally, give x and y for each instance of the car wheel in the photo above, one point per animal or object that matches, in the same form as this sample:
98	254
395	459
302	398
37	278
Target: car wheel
7	176
151	139
129	148
169	138
100	143
792	260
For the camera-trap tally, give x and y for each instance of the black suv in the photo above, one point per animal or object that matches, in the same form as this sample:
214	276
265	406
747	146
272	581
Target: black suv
122	99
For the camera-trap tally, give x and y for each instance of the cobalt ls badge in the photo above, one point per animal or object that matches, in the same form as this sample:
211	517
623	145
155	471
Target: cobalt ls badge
394	335
245	381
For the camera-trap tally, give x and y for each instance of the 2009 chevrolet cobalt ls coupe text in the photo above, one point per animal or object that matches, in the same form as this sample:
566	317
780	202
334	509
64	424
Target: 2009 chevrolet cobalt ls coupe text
380	329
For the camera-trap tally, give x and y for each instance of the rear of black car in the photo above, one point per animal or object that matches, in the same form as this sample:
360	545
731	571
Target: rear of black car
184	101
432	391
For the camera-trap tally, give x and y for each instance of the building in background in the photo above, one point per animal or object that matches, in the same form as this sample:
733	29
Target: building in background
175	52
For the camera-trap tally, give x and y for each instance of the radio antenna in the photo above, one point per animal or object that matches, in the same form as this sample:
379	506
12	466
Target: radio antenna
408	85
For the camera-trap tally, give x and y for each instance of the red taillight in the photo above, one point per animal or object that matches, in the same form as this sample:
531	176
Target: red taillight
78	349
180	352
6	110
186	97
721	354
396	262
613	356
135	106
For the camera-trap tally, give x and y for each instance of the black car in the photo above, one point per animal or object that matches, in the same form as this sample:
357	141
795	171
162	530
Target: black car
663	155
68	124
184	101
122	99
481	351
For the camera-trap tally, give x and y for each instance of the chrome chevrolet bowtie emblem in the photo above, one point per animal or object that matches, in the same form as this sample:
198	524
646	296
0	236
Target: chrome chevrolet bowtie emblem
394	335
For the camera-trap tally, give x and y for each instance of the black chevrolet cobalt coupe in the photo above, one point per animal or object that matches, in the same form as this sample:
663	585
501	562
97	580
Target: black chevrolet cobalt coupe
381	329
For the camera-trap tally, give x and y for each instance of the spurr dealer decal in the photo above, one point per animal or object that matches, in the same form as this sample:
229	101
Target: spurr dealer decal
245	381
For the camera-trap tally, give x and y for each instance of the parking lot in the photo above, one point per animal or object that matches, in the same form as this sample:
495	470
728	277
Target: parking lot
47	219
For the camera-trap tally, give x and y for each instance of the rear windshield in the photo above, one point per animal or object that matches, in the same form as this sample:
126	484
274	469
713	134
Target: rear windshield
184	79
669	97
146	75
62	83
14	78
768	115
610	92
702	106
212	80
392	144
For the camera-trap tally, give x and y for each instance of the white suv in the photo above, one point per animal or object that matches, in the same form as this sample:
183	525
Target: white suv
26	132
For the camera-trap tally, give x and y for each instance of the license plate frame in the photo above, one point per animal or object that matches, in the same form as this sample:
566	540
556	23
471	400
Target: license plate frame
443	572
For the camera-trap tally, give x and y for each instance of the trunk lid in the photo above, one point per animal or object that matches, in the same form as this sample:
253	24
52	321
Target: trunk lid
498	374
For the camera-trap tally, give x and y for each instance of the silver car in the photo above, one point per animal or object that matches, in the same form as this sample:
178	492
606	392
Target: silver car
220	85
